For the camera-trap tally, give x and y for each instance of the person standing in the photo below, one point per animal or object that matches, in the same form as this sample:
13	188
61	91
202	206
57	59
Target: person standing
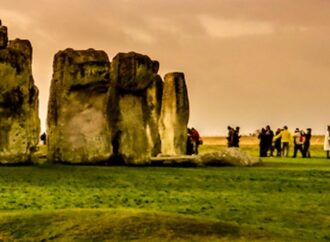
236	137
307	142
298	140
269	135
230	136
286	139
277	143
196	139
190	145
262	143
327	142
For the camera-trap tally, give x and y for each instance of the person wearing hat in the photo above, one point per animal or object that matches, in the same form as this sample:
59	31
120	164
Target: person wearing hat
327	142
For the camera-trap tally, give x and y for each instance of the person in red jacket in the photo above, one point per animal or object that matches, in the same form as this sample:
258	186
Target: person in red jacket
196	139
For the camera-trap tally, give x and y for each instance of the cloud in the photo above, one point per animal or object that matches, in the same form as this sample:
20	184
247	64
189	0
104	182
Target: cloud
226	28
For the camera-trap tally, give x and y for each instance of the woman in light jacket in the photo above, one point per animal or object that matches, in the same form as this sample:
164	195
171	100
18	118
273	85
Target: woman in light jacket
327	142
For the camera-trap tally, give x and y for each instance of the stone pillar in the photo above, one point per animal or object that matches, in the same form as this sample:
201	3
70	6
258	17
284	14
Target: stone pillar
133	106
174	115
3	36
19	121
154	104
77	121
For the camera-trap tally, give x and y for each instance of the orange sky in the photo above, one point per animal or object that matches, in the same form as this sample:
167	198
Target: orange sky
247	62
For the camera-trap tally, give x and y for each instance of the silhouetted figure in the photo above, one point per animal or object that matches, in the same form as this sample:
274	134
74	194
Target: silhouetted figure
190	146
307	143
43	138
196	139
298	141
230	137
277	143
262	143
269	135
236	137
327	142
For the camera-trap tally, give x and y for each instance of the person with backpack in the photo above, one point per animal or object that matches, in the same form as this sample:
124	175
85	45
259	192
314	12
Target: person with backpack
298	140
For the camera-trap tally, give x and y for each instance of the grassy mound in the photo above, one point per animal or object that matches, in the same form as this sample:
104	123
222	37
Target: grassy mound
117	225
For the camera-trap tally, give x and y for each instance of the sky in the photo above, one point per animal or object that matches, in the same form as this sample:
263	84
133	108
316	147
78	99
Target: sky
247	63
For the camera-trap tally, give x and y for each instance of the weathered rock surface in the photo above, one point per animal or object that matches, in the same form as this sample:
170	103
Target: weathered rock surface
227	157
77	122
134	103
3	36
154	104
19	121
174	115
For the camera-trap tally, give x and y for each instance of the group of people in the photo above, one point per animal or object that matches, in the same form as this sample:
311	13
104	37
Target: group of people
281	140
233	137
194	140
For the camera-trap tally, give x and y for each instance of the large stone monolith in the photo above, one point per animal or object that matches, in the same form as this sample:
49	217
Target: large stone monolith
19	121
134	108
77	122
3	36
174	115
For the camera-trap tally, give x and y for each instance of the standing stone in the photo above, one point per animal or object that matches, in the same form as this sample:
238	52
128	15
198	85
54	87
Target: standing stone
134	107
3	36
77	122
19	121
154	104
174	115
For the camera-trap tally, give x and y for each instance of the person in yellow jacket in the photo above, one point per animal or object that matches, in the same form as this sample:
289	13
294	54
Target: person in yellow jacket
286	139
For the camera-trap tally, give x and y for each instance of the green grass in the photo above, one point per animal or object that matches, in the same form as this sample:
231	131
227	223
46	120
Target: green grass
284	199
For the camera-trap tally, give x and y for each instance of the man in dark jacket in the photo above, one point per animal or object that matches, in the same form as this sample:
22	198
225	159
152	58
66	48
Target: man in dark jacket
269	134
307	143
262	143
277	144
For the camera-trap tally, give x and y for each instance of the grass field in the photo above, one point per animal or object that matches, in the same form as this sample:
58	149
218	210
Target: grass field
284	199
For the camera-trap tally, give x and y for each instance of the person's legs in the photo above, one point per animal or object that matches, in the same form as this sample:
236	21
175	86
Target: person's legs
328	154
301	150
278	149
196	147
272	148
295	149
286	149
307	152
